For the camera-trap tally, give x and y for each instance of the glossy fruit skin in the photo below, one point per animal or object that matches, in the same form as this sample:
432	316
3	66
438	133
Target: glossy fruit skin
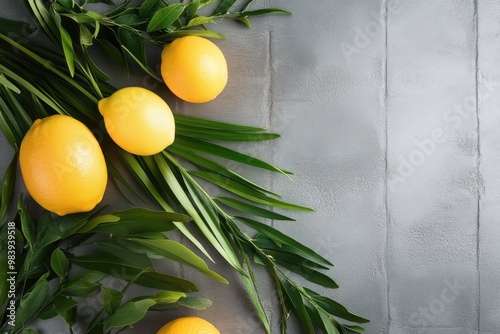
188	325
138	120
194	69
62	165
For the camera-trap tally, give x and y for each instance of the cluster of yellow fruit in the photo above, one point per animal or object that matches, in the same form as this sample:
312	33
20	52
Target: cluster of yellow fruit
61	162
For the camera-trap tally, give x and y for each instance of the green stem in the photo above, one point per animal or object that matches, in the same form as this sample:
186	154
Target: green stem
48	65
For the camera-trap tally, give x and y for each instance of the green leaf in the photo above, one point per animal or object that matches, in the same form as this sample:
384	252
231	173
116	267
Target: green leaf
133	44
168	297
8	185
88	277
281	238
252	209
322	319
334	308
135	220
204	146
180	253
47	231
141	175
297	304
224	135
27	226
4	265
71	223
66	309
80	289
84	284
191	9
119	268
107	2
196	303
111	299
163	18
310	274
67	44
211	234
115	54
32	302
199	20
142	64
148	7
129	313
196	122
67	4
59	262
245	21
129	20
264	11
213	166
80	18
189	32
224	7
8	84
246	192
353	328
86	36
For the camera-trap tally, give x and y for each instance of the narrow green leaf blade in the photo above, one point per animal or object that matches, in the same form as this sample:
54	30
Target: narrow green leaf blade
163	18
264	11
129	313
252	209
117	267
8	185
133	44
195	303
224	7
135	220
196	122
27	226
203	146
111	299
67	44
190	32
148	7
280	237
5	82
247	192
66	308
297	304
334	308
32	302
180	253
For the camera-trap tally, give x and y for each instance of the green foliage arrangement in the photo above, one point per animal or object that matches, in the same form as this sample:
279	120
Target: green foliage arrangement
36	82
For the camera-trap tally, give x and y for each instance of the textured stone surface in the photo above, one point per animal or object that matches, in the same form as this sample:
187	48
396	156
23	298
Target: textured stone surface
389	115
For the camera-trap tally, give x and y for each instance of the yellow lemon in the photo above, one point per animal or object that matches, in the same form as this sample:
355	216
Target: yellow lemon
188	325
138	120
62	165
194	69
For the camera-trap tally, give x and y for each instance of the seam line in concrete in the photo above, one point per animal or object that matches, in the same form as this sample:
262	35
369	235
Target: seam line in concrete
478	166
386	189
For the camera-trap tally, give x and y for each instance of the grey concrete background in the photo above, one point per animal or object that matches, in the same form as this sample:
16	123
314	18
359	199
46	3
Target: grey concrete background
389	115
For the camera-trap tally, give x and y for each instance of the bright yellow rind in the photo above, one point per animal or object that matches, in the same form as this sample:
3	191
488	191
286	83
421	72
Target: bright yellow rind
62	165
194	69
188	325
138	120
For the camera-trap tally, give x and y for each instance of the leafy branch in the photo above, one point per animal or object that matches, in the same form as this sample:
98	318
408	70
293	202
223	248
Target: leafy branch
34	84
126	240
